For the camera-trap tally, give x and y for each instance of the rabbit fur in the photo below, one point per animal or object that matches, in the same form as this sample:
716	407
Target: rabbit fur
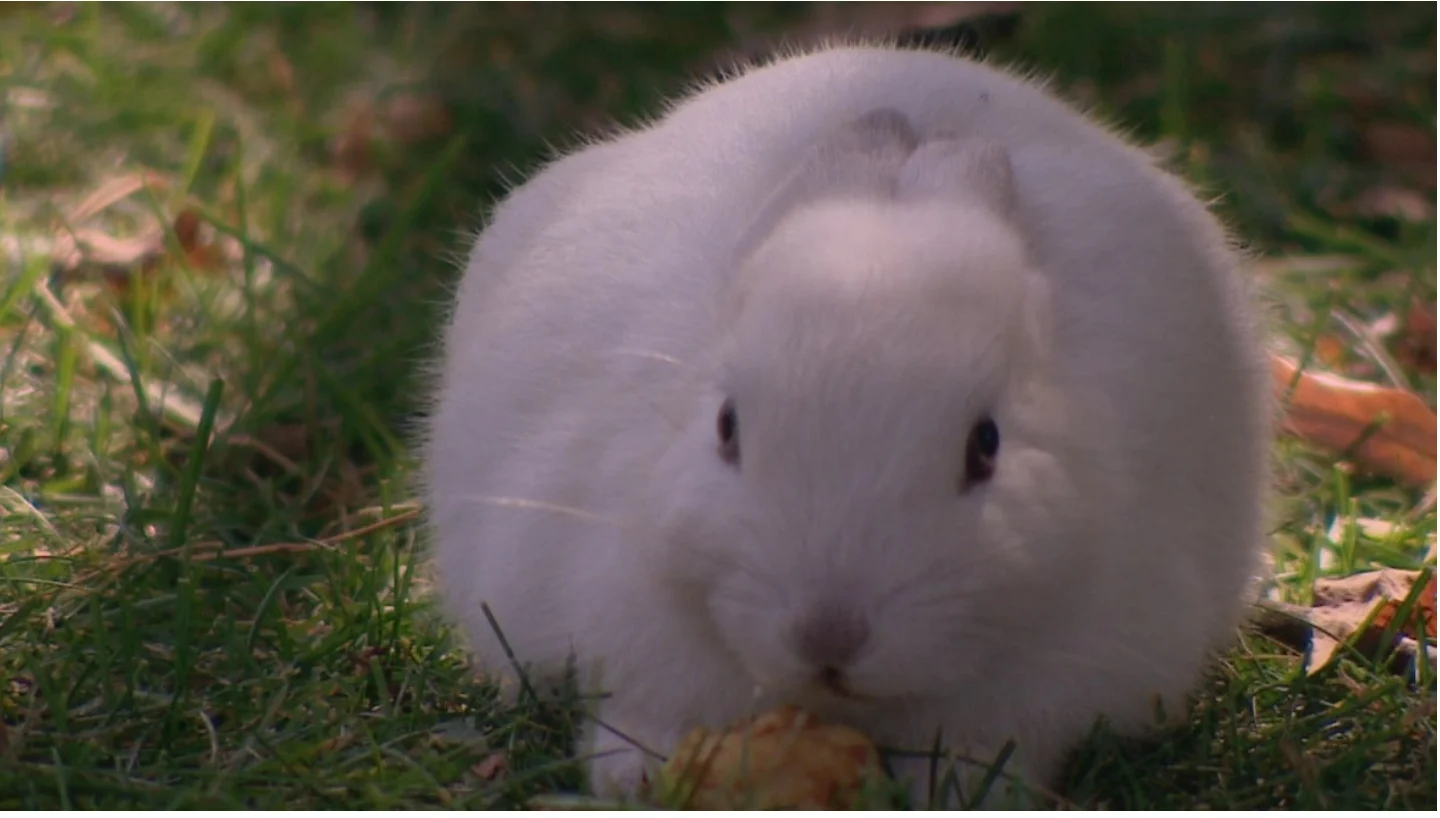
867	251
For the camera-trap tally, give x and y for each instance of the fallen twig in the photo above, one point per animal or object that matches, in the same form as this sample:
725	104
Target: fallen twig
211	550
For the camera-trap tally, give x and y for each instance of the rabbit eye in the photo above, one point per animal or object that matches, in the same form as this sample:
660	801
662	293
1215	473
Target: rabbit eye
727	428
980	452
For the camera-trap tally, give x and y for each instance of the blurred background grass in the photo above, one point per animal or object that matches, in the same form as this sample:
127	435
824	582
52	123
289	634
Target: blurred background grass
272	197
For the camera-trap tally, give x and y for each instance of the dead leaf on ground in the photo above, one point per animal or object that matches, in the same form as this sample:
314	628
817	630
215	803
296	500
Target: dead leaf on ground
1404	146
1415	345
119	257
413	117
76	244
1331	351
1365	94
282	445
199	254
1425	612
338	743
282	72
1343	605
1393	201
401	118
187	229
350	149
1335	413
113	191
492	767
784	759
84	245
1398	141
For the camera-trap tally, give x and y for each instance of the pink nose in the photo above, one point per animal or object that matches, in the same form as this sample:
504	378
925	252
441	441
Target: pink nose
830	636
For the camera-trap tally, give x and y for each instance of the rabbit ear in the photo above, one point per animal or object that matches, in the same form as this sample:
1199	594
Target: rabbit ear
882	136
973	170
863	155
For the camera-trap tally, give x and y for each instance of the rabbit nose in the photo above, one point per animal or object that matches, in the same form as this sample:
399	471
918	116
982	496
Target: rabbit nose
831	636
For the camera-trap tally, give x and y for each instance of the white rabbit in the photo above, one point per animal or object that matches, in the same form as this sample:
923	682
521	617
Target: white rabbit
875	381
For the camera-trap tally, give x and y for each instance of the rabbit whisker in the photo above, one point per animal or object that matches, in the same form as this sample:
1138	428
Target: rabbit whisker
653	356
542	506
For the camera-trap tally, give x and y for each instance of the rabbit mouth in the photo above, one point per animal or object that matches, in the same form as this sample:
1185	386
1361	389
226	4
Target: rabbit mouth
833	679
831	683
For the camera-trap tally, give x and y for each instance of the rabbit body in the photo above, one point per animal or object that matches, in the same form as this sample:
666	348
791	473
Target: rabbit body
865	254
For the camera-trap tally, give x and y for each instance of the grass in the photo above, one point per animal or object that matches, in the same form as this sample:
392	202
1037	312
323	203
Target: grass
240	619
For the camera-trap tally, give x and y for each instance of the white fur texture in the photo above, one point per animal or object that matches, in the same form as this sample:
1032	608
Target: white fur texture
867	249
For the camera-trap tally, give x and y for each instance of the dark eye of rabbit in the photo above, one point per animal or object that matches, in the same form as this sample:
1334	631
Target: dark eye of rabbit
727	427
980	452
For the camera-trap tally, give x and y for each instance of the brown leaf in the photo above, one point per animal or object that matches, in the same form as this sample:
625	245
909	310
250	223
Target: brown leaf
75	244
282	445
335	744
113	191
784	759
1343	604
88	246
121	258
1387	583
1395	202
199	255
1335	413
491	767
1366	94
409	117
361	660
1399	142
187	229
351	147
1415	346
1402	145
1331	351
282	72
402	118
1425	612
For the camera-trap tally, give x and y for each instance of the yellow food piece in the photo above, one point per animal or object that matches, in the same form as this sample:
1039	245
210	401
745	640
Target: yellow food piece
784	759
